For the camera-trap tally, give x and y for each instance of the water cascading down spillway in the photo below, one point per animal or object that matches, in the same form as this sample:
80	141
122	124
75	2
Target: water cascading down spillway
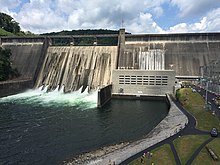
152	60
76	66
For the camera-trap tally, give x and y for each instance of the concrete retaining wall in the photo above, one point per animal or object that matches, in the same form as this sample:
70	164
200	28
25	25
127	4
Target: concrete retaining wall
13	87
104	95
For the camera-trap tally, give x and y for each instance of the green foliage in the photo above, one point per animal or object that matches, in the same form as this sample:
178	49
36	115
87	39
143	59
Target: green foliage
9	24
83	32
6	71
5	33
194	104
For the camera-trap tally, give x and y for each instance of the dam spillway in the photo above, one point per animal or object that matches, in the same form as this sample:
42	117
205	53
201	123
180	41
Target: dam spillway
78	66
151	60
186	54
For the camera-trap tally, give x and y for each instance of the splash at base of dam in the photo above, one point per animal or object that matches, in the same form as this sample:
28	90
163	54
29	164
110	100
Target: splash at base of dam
56	98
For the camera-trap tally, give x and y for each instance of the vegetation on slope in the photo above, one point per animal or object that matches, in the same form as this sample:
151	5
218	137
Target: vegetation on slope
5	33
9	27
86	41
9	24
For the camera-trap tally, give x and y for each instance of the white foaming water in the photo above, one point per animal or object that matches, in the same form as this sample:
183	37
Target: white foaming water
56	98
57	89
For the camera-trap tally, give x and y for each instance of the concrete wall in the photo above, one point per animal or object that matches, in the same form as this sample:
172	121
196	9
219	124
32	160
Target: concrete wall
140	82
92	65
184	53
104	95
76	66
14	87
25	57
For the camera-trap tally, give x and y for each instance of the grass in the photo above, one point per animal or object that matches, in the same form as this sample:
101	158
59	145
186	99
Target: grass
204	158
161	155
5	33
187	145
194	103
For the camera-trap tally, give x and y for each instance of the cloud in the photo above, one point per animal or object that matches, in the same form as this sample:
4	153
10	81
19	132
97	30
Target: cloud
7	6
188	8
158	11
208	23
143	24
40	16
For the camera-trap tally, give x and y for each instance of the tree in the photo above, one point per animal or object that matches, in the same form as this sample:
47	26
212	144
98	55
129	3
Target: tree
9	24
6	71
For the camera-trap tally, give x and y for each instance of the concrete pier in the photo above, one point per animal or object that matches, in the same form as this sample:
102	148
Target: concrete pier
13	87
104	95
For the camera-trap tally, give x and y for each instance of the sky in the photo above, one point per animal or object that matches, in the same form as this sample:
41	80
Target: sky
136	16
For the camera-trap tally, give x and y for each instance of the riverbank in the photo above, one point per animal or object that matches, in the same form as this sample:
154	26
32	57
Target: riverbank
170	125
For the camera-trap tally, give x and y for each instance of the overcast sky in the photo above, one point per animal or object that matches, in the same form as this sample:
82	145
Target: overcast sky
136	16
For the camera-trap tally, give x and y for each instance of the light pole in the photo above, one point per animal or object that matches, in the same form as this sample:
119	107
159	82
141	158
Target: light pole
207	106
206	95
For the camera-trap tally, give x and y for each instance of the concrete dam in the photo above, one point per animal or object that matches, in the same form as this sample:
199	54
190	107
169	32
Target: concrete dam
76	66
184	53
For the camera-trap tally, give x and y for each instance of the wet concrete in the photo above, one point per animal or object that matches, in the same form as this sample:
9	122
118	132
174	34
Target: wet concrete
78	66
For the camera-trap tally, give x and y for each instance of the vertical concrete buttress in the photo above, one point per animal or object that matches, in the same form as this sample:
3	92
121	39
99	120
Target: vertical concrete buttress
121	48
41	59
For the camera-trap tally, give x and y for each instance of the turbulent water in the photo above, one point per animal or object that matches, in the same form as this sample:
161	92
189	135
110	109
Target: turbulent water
39	127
